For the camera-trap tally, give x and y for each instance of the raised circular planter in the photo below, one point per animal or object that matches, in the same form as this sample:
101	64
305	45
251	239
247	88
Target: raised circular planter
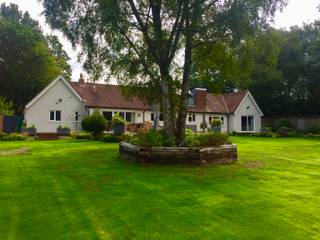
223	154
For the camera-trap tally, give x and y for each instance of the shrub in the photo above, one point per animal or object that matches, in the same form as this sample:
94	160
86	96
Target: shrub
2	135
152	138
312	135
14	137
63	128
117	120
208	139
313	129
266	129
216	122
189	137
287	132
110	138
167	139
285	123
94	124
82	135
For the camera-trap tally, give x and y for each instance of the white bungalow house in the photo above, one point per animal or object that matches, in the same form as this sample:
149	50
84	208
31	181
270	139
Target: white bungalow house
64	103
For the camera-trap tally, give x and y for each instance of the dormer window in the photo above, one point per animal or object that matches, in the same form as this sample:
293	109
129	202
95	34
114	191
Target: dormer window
190	101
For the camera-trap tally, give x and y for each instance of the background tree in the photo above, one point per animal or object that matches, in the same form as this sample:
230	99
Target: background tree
285	79
154	41
27	64
60	55
6	107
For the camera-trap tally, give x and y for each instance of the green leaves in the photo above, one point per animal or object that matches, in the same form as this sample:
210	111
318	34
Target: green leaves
27	64
6	107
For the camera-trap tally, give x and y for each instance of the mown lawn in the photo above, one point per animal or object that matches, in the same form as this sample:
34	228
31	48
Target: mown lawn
82	190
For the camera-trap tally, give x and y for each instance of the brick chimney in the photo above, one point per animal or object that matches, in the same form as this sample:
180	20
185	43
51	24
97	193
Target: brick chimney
81	79
200	97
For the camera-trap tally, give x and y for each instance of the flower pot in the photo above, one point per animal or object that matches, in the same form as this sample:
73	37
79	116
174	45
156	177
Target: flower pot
63	131
30	131
216	129
118	129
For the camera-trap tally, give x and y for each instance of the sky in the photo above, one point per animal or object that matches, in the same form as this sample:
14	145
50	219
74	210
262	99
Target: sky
296	13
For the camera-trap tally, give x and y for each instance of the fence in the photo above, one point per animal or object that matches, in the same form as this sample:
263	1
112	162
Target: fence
9	124
299	123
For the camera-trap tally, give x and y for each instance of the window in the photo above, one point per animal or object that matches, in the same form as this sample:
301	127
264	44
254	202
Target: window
107	115
55	116
130	117
247	123
191	117
76	116
191	101
222	121
160	117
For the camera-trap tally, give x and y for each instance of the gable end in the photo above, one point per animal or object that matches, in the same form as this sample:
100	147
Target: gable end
47	88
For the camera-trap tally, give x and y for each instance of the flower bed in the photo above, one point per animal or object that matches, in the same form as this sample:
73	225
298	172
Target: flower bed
223	154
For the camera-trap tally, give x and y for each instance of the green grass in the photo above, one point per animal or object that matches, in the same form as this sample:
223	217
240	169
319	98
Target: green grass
83	190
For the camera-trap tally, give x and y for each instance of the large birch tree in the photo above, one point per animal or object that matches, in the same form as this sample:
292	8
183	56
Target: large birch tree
151	43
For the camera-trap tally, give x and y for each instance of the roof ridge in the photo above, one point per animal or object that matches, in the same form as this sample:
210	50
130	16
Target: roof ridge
224	102
93	83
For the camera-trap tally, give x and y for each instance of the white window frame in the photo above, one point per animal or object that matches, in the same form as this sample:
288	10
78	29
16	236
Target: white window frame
132	120
253	123
191	116
222	119
55	115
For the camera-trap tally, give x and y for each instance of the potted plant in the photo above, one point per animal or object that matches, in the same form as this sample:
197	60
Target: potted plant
118	124
31	131
63	130
216	125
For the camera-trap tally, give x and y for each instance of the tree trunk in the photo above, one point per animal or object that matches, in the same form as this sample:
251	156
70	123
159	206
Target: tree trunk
182	115
167	105
156	114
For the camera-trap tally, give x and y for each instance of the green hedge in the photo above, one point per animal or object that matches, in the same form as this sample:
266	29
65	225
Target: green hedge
13	137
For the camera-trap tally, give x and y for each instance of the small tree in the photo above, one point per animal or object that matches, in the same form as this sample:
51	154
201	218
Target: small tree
94	124
216	125
118	124
6	107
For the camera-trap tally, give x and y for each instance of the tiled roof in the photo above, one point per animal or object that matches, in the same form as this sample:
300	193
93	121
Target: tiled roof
110	96
106	96
233	100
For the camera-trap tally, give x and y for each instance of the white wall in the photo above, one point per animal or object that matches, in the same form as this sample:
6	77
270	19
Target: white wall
199	120
247	108
38	113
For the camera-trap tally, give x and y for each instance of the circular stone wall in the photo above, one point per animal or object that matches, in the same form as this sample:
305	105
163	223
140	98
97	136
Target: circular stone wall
179	155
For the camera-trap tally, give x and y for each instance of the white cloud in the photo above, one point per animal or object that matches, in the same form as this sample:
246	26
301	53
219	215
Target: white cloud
35	9
297	12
